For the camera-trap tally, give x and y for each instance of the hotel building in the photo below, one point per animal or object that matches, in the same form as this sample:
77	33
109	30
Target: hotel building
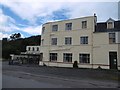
84	40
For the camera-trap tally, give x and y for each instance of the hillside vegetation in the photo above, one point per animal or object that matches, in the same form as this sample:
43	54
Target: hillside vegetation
18	45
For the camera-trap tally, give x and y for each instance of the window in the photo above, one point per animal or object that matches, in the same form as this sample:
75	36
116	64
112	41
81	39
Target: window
68	40
37	48
84	24
84	58
67	57
43	30
53	56
42	42
54	41
112	38
84	40
28	48
33	48
68	26
110	25
55	28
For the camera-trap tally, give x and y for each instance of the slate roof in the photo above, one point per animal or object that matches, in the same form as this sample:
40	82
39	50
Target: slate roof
102	27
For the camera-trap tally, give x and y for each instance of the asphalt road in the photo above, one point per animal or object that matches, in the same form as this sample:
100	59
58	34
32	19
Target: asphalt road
50	77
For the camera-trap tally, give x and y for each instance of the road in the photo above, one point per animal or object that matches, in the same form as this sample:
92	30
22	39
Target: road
50	77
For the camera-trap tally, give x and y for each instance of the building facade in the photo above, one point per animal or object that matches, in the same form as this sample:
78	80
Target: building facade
81	40
31	56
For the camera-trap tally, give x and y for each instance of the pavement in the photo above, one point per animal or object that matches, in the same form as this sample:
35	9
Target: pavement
30	76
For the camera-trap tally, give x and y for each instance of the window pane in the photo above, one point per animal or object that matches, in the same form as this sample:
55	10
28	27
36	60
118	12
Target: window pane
54	41
68	40
43	30
110	25
53	56
84	40
67	57
42	42
55	28
68	26
37	48
84	58
28	48
84	24
112	38
33	48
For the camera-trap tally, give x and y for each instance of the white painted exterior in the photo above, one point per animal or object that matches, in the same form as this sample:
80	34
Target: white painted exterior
24	54
98	44
31	51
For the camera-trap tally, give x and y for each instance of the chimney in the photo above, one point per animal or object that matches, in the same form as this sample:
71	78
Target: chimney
95	18
95	21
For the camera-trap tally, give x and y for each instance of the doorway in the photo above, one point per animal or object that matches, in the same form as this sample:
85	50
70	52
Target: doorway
113	60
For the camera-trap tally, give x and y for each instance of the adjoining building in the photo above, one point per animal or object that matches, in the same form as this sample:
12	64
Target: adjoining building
31	56
84	40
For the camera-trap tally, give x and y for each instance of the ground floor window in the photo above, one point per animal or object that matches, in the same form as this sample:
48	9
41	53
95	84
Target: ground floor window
53	56
67	57
84	58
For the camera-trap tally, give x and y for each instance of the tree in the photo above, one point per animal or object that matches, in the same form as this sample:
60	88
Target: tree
15	36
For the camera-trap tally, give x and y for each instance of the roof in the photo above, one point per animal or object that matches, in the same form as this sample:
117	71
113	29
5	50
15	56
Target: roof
68	20
102	27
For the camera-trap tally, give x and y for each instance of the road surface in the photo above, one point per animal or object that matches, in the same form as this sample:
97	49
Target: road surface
15	76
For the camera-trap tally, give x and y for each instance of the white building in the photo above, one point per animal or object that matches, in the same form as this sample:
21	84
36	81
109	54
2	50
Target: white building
31	56
84	40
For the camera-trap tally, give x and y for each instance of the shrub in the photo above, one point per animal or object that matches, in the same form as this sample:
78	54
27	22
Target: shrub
75	64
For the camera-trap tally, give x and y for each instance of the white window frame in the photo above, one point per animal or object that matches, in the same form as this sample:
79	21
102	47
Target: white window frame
68	26
110	26
53	57
84	40
43	30
53	41
67	57
84	24
68	40
54	27
84	58
112	38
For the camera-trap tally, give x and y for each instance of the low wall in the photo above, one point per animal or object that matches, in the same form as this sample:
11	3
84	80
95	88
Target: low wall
61	64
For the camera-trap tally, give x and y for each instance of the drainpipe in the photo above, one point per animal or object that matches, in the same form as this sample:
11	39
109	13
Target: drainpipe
94	28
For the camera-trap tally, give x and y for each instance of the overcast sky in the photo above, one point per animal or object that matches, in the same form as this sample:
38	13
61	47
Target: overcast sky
27	16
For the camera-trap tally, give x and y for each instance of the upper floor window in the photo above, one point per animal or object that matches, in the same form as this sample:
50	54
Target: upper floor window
84	58
42	42
37	48
68	26
33	48
112	38
68	40
43	30
67	57
54	41
110	25
53	56
84	24
28	48
84	40
55	28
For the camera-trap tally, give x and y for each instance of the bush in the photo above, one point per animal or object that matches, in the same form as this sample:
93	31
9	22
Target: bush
75	64
99	68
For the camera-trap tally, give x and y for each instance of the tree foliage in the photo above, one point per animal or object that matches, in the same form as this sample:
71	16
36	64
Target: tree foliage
18	45
15	36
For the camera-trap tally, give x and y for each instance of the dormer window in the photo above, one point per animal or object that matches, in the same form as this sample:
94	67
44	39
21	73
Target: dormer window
110	23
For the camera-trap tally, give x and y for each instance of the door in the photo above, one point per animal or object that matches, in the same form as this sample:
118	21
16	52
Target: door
41	56
113	60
